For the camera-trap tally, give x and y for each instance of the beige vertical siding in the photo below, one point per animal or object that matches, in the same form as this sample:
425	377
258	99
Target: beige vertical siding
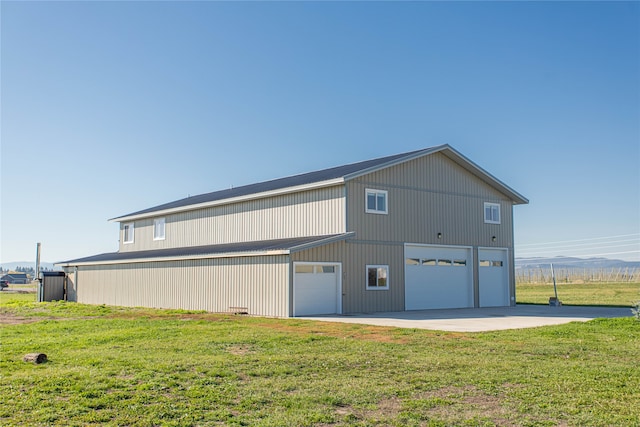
355	257
261	284
428	196
310	213
71	284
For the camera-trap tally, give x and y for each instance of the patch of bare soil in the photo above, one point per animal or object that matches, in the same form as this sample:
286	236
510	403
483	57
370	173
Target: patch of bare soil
385	409
466	403
451	405
239	350
338	330
12	319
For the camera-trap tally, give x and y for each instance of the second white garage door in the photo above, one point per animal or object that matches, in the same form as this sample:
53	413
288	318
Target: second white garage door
493	277
316	289
438	277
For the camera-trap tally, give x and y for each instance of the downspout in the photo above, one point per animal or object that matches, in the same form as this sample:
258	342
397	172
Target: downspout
512	261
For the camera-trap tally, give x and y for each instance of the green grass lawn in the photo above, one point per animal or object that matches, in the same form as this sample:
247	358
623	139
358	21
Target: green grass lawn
613	294
143	367
27	297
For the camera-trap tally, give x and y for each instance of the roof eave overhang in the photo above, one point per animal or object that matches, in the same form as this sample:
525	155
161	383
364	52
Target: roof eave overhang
262	195
174	258
322	242
458	158
267	252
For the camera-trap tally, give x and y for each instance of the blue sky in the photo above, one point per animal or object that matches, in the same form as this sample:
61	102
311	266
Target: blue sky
112	107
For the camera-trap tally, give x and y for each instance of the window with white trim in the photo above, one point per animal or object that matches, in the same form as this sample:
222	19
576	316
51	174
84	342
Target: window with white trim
127	233
375	201
377	277
492	213
158	229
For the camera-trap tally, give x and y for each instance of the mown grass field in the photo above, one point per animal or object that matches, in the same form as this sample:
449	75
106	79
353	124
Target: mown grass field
142	367
611	294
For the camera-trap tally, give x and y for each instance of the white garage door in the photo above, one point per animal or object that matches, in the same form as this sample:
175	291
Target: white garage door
493	277
316	289
438	277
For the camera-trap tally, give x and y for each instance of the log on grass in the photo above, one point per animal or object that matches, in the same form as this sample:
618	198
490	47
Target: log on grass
35	358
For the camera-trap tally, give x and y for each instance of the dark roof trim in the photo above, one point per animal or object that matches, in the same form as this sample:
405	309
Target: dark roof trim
227	250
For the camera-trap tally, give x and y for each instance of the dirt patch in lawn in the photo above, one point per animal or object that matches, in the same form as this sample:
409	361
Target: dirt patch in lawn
338	330
461	404
12	319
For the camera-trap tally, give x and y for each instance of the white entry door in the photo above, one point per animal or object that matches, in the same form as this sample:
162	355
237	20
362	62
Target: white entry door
316	289
438	277
493	277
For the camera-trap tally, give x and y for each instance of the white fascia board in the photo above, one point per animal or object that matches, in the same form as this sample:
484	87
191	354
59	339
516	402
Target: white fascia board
468	164
322	242
262	195
176	258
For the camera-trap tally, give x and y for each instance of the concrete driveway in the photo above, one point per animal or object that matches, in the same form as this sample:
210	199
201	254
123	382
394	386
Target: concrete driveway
481	319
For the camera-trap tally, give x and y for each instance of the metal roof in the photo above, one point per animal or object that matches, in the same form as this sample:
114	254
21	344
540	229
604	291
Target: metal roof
331	176
261	247
276	184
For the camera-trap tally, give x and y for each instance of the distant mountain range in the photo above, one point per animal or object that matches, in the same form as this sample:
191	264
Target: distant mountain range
572	262
32	264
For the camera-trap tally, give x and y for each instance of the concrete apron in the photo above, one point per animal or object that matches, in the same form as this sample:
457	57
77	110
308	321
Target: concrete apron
481	319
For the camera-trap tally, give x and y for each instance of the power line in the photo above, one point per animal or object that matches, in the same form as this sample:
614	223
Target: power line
585	246
589	248
579	240
632	239
548	259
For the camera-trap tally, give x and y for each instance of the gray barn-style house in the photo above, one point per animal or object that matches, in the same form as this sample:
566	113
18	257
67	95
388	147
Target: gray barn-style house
420	230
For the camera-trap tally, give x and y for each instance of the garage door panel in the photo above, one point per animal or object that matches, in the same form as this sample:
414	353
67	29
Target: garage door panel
315	290
438	277
493	277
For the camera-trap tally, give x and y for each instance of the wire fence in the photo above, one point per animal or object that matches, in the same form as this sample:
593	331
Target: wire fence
530	275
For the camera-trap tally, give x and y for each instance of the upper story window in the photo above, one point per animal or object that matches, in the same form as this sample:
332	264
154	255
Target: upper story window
127	231
491	213
377	277
158	229
376	201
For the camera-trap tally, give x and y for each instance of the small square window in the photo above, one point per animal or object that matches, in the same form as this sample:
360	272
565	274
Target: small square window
158	229
491	213
377	277
376	201
127	231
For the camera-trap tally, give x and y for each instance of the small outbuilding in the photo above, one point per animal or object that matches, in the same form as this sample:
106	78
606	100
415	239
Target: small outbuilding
15	278
418	230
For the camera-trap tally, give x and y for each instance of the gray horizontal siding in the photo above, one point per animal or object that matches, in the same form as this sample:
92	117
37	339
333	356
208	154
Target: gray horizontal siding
261	284
310	213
